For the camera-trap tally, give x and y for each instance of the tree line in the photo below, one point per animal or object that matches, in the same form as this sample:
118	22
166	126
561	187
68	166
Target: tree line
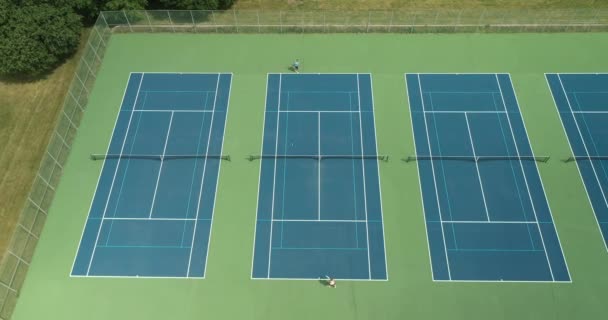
38	35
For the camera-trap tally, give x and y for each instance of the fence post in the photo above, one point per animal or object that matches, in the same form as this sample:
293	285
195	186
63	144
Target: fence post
127	19
193	22
170	20
480	20
100	37
104	19
214	22
390	24
281	20
236	21
369	17
149	22
324	23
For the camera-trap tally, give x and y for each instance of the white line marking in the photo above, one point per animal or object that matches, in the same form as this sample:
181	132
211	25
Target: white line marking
317	111
483	194
315	220
319	168
160	169
524	176
200	194
379	184
541	183
114	177
257	204
100	172
428	139
459	112
317	279
577	165
505	281
369	263
428	244
597	112
488	222
178	111
274	177
217	179
153	219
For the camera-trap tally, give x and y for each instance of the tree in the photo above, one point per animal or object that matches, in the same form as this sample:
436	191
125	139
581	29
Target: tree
36	37
191	4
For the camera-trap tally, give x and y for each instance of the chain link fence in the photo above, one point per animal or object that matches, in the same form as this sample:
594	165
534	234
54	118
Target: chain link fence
16	261
411	21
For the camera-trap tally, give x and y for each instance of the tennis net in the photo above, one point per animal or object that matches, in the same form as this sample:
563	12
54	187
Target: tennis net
317	156
479	158
158	157
576	158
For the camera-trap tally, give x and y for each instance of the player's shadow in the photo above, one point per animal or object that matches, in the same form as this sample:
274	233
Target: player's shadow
324	282
291	68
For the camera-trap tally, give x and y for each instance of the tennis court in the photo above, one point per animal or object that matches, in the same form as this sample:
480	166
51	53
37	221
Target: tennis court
319	211
582	104
486	212
152	211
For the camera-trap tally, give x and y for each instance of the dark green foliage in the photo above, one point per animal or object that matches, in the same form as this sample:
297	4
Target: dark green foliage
191	4
226	4
34	38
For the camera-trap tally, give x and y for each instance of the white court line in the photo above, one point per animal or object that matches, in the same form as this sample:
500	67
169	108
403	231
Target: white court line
317	279
428	244
588	154
379	184
124	141
217	180
542	238
428	139
460	112
167	110
541	182
369	262
148	219
488	222
315	220
160	169
134	277
483	194
505	281
317	111
577	165
597	112
319	168
200	194
257	204
274	177
101	171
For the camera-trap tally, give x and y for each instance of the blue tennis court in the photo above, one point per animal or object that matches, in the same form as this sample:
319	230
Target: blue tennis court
486	212
153	207
582	103
319	211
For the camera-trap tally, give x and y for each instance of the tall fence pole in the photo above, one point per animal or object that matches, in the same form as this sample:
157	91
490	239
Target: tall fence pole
127	19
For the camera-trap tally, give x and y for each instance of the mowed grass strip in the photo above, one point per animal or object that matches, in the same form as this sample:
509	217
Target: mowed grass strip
415	4
28	114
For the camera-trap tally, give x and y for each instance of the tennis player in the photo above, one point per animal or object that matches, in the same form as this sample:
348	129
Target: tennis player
331	282
296	66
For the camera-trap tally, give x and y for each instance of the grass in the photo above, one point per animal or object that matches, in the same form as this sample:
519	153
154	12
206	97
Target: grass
28	113
415	4
228	292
